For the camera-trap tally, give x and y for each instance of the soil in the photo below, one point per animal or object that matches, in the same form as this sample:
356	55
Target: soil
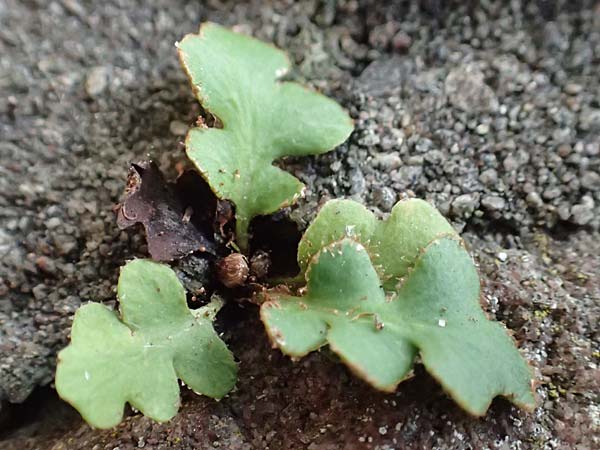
488	109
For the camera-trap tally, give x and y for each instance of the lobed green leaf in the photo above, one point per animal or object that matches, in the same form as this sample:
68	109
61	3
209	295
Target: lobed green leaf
393	244
434	312
235	77
138	357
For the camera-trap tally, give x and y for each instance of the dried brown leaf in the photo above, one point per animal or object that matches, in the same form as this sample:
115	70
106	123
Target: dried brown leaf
177	217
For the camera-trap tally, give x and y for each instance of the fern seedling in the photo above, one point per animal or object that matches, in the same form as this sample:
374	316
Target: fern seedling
236	78
139	356
380	292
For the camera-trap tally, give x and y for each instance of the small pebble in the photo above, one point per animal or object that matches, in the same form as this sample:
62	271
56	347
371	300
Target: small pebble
493	202
482	129
573	88
178	128
96	81
534	199
591	181
336	166
489	177
466	90
52	223
464	205
385	198
581	214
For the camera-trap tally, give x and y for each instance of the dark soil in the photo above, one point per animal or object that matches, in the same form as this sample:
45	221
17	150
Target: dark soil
489	110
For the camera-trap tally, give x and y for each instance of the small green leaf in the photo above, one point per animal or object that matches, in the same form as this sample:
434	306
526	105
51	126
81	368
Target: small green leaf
394	244
139	357
235	78
435	311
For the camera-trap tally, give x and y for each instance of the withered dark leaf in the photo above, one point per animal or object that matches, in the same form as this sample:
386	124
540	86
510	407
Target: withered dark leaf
177	217
224	216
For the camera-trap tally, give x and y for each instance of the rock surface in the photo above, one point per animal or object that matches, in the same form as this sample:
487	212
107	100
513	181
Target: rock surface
87	88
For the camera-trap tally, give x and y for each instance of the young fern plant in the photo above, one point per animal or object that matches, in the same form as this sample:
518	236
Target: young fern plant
137	356
236	78
379	293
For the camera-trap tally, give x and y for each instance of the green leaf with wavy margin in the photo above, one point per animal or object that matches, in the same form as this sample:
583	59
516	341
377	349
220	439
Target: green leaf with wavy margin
235	77
393	244
434	312
139	356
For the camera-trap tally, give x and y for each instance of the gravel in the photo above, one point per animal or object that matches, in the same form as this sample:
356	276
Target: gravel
489	111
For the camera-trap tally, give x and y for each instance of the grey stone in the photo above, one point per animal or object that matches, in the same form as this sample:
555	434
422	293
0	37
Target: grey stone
466	89
573	88
510	163
464	205
409	174
385	198
593	149
482	129
591	181
357	182
387	161
53	222
386	75
589	120
493	202
551	193
582	214
489	177
534	199
564	211
96	81
178	128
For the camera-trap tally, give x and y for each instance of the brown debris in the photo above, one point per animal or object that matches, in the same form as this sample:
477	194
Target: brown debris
177	217
224	216
233	270
260	264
